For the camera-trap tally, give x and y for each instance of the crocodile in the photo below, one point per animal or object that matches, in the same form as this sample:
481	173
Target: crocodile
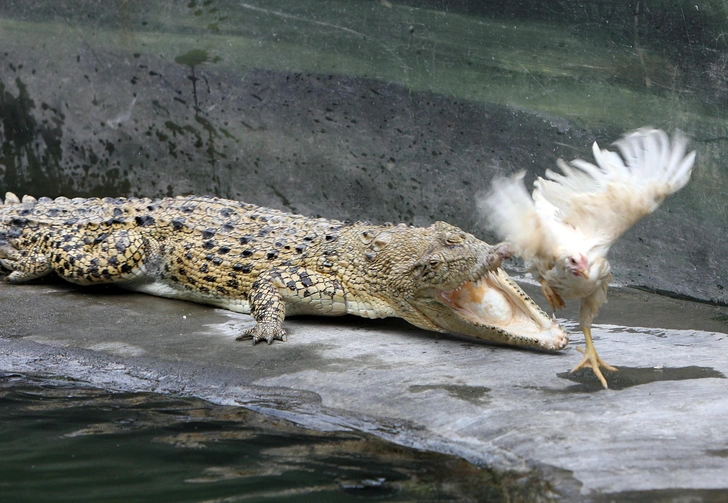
272	264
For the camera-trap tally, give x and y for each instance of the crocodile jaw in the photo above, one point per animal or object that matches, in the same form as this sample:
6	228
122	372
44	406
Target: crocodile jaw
496	309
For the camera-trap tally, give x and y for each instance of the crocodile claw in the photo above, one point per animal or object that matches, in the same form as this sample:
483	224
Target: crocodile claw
267	332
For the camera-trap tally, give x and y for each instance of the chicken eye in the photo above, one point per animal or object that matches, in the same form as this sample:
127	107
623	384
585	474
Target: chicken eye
572	260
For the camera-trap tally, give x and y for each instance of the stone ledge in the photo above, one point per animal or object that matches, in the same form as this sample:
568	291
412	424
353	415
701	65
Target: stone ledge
660	428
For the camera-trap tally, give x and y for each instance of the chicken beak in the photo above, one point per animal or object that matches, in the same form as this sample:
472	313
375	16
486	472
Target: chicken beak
584	273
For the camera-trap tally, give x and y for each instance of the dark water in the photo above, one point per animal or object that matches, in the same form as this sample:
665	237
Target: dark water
66	442
627	377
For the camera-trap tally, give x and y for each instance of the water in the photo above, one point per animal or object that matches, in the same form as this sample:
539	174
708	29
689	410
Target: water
67	442
627	377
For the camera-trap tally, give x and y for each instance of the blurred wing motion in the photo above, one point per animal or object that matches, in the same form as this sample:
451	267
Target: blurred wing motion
564	230
532	230
587	207
605	200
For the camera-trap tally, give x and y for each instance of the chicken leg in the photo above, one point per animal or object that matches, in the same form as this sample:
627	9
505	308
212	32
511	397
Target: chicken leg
592	359
553	298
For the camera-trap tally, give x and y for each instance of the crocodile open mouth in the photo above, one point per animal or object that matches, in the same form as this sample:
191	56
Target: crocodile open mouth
496	301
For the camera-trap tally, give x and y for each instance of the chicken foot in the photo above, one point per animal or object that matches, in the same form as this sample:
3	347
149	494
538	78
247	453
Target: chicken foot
592	359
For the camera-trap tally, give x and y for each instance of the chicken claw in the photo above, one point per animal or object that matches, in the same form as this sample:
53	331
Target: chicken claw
592	359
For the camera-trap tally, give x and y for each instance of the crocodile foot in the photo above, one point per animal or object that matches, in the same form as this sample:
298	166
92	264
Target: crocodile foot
267	332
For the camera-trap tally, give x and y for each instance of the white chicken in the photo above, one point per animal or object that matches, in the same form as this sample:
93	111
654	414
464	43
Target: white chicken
564	230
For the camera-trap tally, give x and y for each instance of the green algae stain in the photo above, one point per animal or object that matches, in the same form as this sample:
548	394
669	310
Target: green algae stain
31	149
184	130
195	57
227	133
35	159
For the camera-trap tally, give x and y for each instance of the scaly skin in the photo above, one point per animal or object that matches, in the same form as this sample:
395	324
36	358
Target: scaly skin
265	262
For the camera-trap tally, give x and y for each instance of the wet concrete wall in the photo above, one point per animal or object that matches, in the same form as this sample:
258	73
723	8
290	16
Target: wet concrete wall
364	110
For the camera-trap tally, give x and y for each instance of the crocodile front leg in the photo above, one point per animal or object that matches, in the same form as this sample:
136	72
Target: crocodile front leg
268	310
290	291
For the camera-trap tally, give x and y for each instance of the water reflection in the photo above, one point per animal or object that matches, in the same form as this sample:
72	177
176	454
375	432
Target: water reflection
64	441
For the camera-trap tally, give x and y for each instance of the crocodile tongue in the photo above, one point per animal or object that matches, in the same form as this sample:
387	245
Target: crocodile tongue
479	303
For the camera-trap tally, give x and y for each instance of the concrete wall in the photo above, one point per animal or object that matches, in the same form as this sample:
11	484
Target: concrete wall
365	109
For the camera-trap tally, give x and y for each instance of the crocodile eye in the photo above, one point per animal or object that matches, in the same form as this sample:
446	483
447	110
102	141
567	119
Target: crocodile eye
434	263
455	239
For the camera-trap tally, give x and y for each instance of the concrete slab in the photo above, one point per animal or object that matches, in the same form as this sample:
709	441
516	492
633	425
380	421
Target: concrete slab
549	434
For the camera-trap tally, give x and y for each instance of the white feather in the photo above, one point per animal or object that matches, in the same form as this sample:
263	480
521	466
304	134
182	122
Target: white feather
606	199
511	212
583	209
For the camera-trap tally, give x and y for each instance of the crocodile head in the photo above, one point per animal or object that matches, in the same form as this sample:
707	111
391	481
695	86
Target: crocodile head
495	308
442	278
